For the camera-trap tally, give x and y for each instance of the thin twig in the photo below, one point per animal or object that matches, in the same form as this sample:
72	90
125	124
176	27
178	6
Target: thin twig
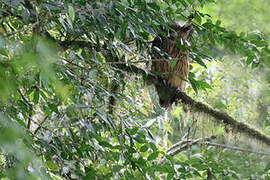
72	63
40	125
233	148
183	145
22	30
187	143
51	128
30	106
24	98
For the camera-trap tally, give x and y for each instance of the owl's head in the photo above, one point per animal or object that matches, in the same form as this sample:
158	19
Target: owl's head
186	30
183	32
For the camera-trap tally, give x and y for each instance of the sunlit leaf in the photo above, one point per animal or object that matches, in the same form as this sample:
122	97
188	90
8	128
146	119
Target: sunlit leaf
71	12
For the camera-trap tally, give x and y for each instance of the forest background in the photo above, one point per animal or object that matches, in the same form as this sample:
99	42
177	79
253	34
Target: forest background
62	62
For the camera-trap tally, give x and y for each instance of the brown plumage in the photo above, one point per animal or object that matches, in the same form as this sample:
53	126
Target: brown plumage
176	74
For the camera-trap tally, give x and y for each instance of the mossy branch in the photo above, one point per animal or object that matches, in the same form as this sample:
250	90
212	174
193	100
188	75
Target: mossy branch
221	117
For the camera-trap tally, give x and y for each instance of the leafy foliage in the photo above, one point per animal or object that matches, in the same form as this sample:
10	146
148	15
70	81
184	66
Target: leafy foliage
58	61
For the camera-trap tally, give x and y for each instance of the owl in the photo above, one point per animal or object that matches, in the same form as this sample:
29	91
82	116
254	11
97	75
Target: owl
172	42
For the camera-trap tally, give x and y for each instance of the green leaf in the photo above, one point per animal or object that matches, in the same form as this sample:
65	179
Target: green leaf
71	12
193	160
23	106
4	52
204	85
36	96
153	6
51	165
133	131
54	108
169	168
196	173
170	175
200	61
100	58
131	150
198	18
43	95
141	161
253	36
105	144
201	167
117	168
140	140
208	25
260	43
153	146
254	65
191	75
250	59
183	2
152	156
159	168
144	148
182	170
194	85
118	147
190	2
218	22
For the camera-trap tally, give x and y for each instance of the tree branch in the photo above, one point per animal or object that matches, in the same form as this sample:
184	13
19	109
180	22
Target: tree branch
183	145
221	117
233	148
30	107
180	143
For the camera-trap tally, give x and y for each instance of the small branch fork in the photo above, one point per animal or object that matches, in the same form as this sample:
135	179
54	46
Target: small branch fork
184	144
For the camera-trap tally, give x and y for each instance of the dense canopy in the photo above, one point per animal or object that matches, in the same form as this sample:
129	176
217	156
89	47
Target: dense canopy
78	97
